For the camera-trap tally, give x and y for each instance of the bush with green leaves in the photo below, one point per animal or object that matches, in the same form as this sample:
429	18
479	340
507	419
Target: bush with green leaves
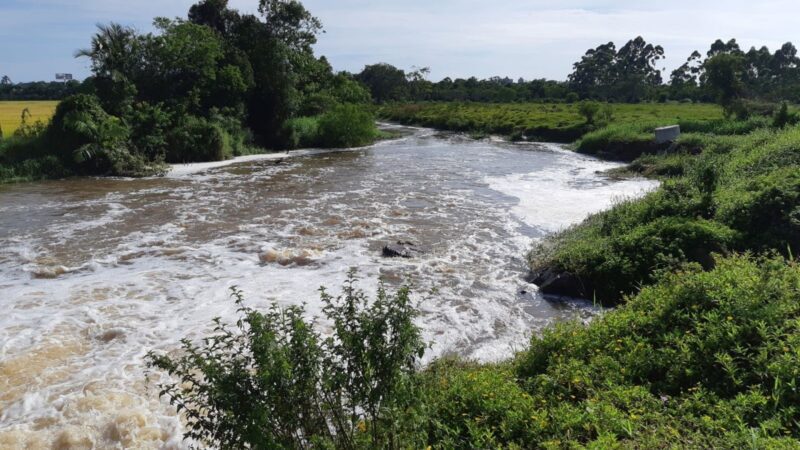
301	132
589	110
701	360
347	125
196	139
273	381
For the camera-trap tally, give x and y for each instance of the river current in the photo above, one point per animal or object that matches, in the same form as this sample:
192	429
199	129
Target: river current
94	273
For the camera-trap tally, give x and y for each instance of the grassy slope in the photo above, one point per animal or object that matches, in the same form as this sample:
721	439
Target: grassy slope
11	111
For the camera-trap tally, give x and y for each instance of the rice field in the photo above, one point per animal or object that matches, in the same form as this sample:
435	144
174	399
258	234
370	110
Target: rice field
11	112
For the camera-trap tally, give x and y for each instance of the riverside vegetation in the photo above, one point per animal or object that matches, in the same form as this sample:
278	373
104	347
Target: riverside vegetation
215	85
702	350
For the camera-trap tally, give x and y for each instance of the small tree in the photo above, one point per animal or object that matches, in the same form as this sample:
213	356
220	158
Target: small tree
589	111
783	117
723	75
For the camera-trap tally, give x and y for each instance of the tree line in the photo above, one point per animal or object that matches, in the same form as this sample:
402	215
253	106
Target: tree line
628	74
37	90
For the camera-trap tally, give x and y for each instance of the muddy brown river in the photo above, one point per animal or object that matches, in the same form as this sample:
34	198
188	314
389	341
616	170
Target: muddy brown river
94	273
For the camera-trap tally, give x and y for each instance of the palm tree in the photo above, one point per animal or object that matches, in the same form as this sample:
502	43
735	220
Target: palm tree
114	51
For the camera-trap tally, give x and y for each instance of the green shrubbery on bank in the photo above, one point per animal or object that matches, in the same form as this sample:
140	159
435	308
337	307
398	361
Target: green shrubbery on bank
740	193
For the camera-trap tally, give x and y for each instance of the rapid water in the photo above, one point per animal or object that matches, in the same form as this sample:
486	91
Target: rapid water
94	273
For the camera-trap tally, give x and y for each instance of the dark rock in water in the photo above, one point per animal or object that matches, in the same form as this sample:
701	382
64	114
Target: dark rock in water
554	282
401	250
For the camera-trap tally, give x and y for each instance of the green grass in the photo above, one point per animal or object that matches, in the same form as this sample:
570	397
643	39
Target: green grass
11	112
740	193
549	121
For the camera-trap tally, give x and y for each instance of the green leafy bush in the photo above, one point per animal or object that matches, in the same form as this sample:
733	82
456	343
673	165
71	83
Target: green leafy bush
702	359
589	110
302	132
766	208
274	382
347	126
197	139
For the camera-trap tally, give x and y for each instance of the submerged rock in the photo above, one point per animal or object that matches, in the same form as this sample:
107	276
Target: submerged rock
554	282
402	250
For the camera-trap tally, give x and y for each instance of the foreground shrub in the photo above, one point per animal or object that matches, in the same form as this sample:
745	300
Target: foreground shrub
274	382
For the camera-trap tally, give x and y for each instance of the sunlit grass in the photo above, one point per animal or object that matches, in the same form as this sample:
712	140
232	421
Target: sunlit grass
541	118
11	113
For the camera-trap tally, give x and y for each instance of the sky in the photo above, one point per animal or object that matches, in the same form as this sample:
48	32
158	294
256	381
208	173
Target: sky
455	38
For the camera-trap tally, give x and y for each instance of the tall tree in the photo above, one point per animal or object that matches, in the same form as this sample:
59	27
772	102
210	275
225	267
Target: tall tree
627	74
635	69
720	47
291	23
385	81
116	53
214	14
723	74
594	70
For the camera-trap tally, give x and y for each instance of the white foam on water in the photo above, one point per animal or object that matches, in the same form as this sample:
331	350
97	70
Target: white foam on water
567	192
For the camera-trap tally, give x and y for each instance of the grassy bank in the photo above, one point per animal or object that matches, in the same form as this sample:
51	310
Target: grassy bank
555	122
721	194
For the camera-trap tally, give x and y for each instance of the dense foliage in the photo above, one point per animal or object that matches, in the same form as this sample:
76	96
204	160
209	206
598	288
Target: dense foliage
201	89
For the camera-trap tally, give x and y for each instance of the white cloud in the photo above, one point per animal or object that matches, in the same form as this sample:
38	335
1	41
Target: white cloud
531	38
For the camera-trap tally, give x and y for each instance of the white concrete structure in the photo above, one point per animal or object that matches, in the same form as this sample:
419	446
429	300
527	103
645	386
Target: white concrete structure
667	134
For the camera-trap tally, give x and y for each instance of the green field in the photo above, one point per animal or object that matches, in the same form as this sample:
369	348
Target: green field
11	112
550	121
